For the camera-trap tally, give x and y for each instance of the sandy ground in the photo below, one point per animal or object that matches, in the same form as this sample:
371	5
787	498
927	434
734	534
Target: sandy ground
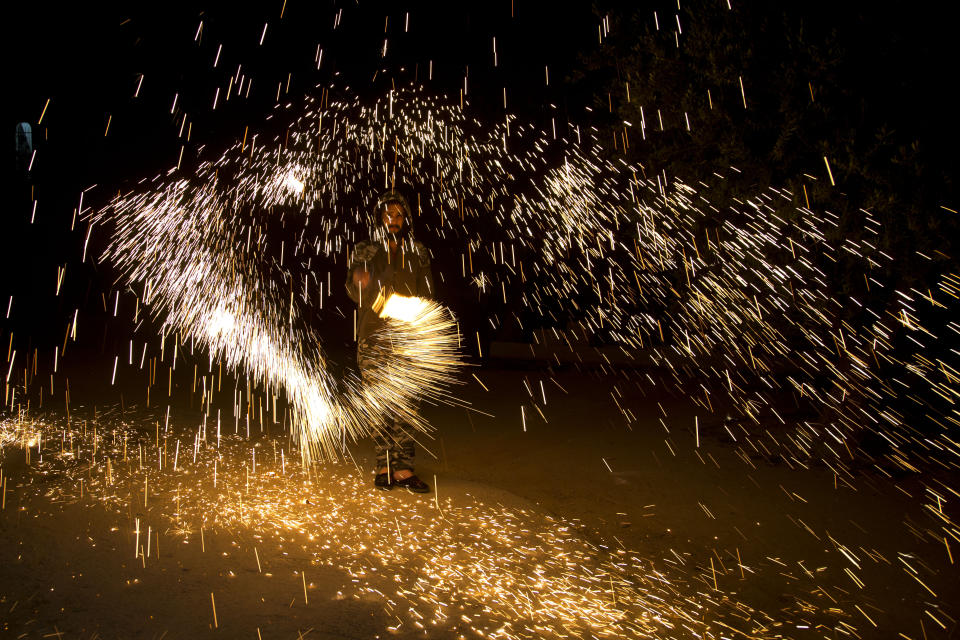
553	516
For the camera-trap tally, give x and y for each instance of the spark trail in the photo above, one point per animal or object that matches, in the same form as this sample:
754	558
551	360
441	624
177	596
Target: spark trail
180	245
735	306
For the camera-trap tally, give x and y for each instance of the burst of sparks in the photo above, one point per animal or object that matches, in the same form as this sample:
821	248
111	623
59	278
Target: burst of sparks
733	306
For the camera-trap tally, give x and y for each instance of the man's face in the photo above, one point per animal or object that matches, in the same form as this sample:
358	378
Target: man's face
393	217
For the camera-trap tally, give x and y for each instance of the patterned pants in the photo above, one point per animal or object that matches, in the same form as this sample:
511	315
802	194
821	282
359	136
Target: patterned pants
392	442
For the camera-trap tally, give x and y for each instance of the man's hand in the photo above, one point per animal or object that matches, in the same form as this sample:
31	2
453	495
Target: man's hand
361	278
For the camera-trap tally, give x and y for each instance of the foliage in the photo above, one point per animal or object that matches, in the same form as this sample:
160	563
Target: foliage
848	86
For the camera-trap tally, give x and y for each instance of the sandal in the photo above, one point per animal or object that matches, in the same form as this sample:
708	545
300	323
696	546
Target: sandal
413	483
382	482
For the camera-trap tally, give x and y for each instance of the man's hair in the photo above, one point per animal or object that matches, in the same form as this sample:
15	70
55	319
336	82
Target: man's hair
393	197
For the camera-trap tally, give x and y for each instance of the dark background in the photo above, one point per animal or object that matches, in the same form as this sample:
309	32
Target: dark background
88	61
879	78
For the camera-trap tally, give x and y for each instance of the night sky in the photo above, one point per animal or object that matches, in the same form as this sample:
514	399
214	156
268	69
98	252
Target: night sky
89	61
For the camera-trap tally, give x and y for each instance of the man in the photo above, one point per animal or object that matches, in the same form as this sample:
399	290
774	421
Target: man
391	261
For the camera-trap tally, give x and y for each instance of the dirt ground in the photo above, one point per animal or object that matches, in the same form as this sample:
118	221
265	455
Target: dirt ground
556	513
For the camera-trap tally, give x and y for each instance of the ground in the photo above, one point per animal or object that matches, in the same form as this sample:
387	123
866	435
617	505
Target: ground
567	503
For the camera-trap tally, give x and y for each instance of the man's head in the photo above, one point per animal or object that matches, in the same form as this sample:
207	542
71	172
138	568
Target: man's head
394	211
393	217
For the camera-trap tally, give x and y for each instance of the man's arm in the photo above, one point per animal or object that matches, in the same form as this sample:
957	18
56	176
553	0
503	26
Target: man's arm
358	272
424	273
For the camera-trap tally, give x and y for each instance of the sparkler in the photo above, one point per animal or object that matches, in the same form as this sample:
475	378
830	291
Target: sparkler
180	246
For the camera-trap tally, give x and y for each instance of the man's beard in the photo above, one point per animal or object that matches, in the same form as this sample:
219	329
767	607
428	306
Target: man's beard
397	233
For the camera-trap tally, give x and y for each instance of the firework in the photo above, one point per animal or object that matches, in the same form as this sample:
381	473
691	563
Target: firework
190	255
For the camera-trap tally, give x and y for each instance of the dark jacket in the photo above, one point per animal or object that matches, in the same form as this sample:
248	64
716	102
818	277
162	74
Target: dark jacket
407	274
